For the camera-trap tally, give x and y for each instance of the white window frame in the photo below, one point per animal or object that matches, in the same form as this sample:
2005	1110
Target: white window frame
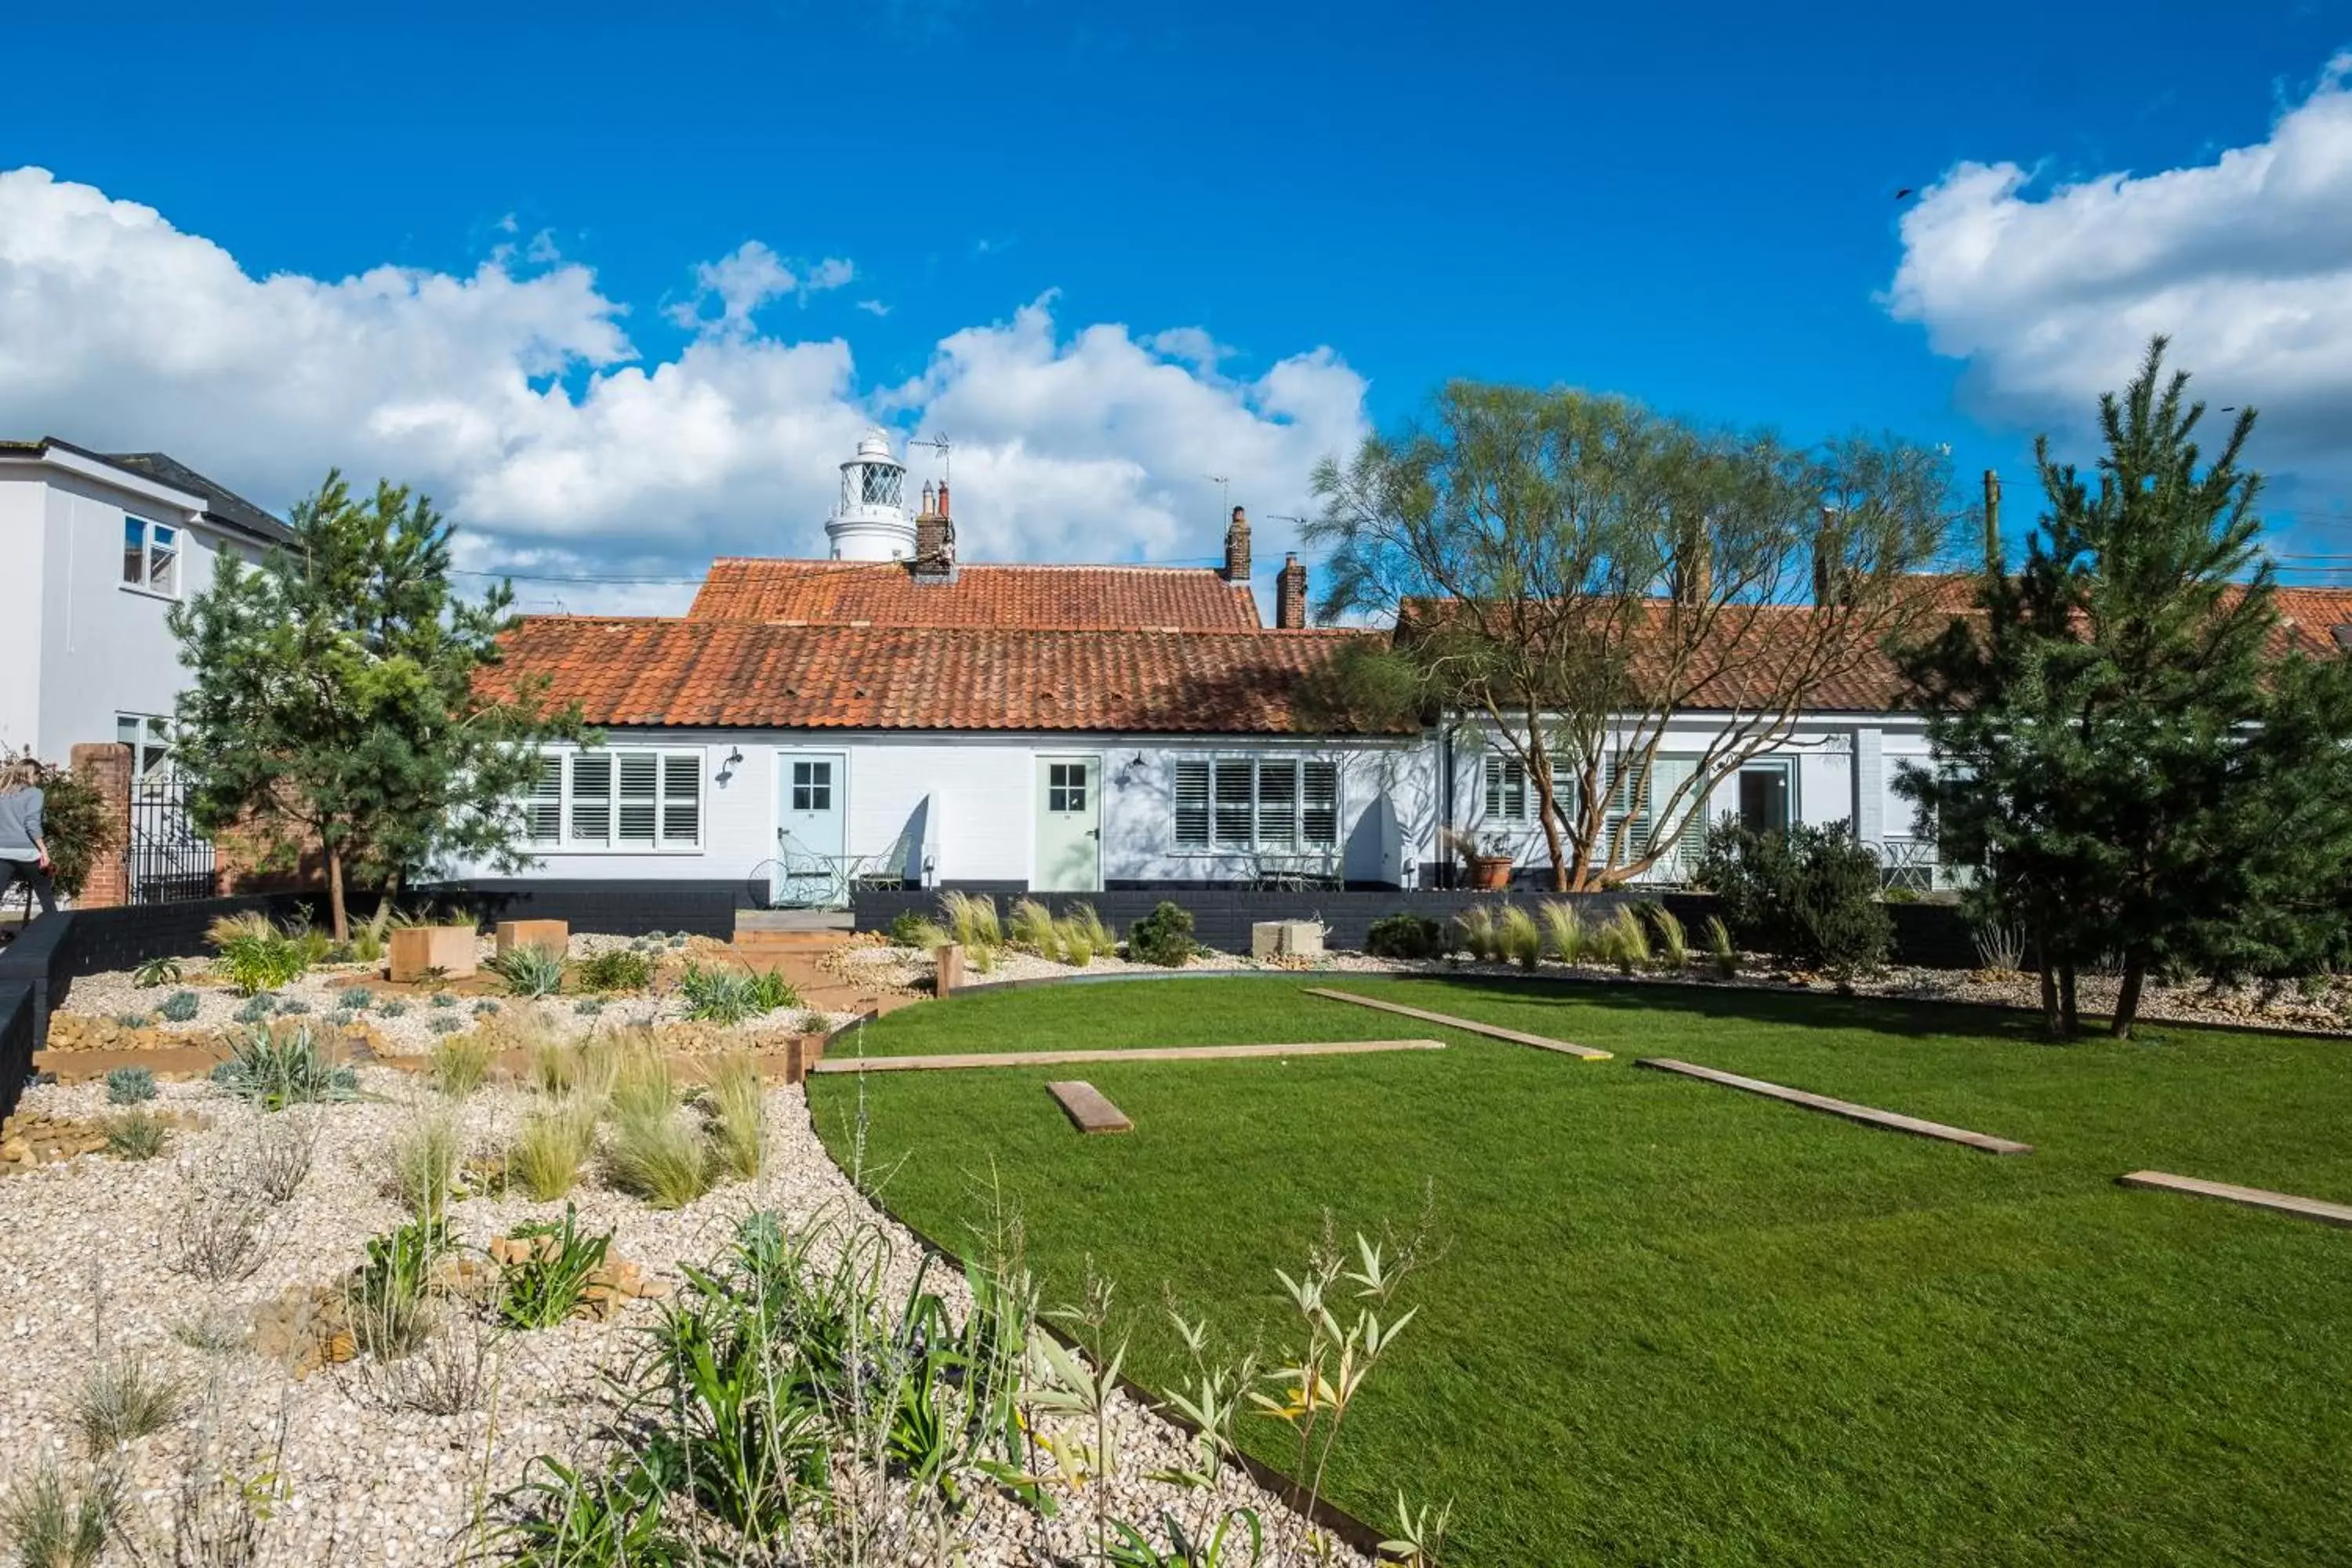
669	805
1302	803
1497	788
177	542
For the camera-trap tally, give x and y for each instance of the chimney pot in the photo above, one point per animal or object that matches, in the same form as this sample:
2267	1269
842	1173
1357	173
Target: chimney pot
1237	548
1290	597
943	499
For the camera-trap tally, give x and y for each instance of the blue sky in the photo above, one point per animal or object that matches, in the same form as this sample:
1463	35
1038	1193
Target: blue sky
1693	205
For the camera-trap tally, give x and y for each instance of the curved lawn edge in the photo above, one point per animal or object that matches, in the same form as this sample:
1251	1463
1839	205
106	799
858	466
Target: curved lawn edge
1277	1483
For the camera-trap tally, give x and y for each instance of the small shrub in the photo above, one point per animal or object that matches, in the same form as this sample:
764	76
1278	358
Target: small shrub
1808	895
542	1289
738	1112
1478	934
448	1373
424	1166
587	1006
530	971
122	1400
1403	935
277	1067
134	1020
293	1007
216	1232
486	1008
254	1010
130	1086
1563	930
355	999
180	1007
393	1008
444	1023
458	1066
971	918
1720	952
55	1523
661	1159
553	1144
1518	937
1673	941
1030	927
139	1134
617	969
1163	937
367	945
156	972
2000	946
256	956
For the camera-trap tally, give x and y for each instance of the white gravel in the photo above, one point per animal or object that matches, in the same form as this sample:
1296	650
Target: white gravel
82	1267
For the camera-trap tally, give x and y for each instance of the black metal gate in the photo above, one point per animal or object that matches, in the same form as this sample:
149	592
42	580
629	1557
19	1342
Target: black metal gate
169	859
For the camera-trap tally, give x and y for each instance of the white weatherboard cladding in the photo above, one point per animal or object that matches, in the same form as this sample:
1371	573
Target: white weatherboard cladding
24	538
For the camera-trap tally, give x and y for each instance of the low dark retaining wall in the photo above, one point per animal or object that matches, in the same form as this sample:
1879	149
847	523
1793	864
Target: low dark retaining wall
18	1018
1933	935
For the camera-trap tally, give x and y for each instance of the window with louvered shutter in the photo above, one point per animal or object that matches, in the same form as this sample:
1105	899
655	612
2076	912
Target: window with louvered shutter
681	805
640	797
1193	805
1236	801
591	798
543	811
1506	789
1278	804
1321	817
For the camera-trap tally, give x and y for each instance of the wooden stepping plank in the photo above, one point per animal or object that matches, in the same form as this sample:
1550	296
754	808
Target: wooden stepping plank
2251	1198
1139	1054
1469	1026
1086	1108
1868	1116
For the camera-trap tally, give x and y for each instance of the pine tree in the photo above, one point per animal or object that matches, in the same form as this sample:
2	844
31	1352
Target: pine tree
2119	732
335	707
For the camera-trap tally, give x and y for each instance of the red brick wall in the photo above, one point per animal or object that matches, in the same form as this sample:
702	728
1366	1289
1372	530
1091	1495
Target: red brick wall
107	766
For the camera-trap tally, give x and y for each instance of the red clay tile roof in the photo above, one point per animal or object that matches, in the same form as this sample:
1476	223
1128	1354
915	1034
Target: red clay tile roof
633	672
887	594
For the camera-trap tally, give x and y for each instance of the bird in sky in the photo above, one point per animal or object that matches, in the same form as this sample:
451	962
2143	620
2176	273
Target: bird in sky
1901	194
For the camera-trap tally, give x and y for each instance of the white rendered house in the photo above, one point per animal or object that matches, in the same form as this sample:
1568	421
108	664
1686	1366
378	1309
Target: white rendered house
99	548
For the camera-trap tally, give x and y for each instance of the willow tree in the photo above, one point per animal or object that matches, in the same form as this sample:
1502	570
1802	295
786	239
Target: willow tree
1575	573
336	704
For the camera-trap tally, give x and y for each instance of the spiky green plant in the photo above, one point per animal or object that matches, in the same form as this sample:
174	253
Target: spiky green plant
124	1399
1720	952
530	971
737	1109
663	1158
53	1523
1563	930
156	972
424	1164
1672	948
459	1065
129	1085
1518	937
1478	934
137	1134
971	918
276	1068
1030	926
552	1145
1629	944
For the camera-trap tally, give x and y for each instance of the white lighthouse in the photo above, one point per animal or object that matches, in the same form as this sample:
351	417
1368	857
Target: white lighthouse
870	521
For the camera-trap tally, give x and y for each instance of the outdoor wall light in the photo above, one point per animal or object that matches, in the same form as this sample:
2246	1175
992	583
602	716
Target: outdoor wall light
727	768
1128	771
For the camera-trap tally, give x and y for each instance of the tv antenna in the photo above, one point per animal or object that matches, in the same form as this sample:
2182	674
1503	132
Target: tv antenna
1225	492
946	450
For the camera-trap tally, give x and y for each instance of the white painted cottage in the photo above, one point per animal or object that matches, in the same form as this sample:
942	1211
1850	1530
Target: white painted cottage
892	715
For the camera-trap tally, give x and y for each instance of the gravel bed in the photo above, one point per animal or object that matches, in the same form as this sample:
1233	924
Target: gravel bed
2326	1012
404	1023
83	1269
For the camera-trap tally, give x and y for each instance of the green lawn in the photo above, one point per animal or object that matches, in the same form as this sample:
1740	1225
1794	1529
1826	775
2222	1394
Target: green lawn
1678	1324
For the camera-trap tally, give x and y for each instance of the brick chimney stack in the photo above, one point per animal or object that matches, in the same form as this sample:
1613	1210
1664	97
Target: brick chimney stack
934	538
1290	597
1237	548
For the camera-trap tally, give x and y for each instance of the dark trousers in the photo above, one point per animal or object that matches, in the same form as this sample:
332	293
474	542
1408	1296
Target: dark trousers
30	872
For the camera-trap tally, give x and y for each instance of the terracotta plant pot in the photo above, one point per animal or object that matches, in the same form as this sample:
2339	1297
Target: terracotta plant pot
1490	873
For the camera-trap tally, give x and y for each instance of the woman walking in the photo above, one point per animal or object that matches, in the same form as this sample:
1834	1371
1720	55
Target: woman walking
24	849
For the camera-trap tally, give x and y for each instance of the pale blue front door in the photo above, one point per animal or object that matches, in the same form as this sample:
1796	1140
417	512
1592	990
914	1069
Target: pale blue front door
810	813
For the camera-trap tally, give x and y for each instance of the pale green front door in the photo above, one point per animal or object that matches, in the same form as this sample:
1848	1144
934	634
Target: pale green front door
1070	824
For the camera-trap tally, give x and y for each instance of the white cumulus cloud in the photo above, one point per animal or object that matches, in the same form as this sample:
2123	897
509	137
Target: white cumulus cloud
515	395
2244	261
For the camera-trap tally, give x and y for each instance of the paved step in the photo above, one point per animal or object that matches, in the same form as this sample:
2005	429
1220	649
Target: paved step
1086	1108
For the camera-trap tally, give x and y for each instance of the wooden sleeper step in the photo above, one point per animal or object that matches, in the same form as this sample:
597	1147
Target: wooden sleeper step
1869	1116
1086	1108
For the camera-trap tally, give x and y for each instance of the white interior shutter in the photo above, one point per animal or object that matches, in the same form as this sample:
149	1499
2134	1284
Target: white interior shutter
542	810
1236	801
592	798
1321	816
1192	803
640	796
1277	803
681	805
